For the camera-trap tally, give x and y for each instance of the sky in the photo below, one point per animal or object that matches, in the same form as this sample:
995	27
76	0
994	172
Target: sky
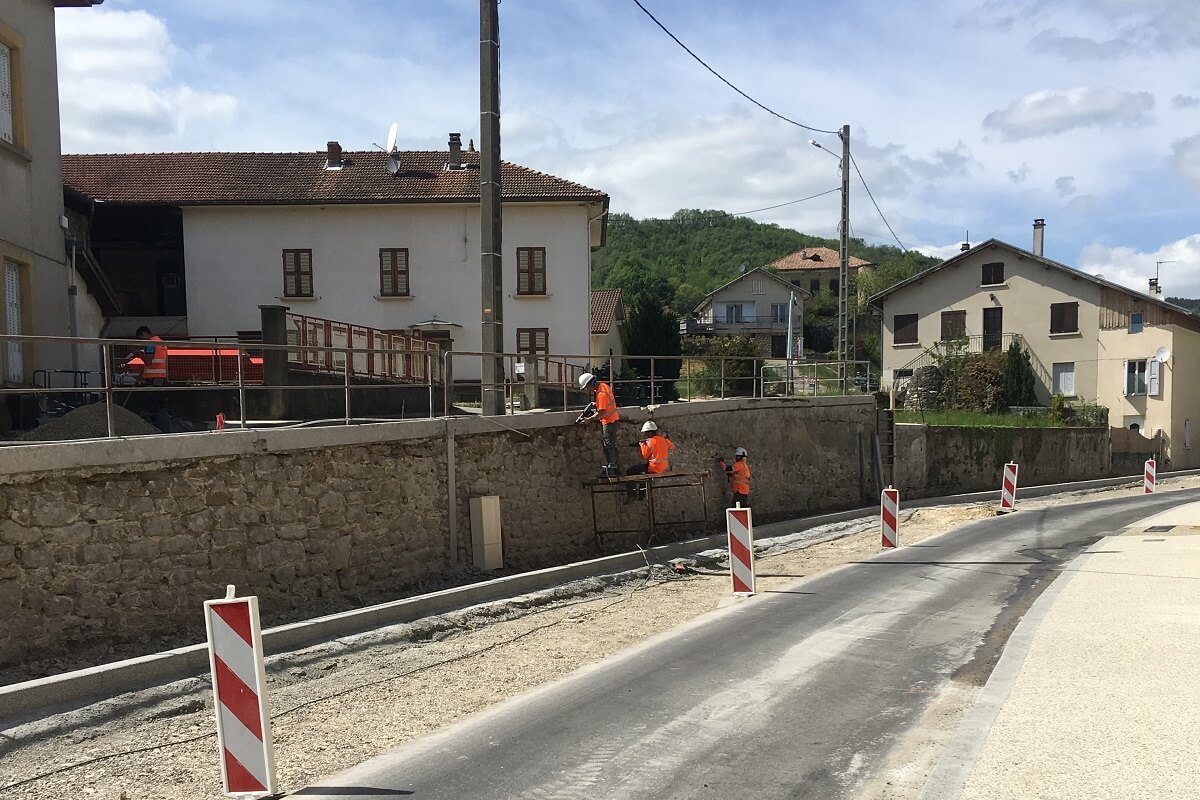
968	118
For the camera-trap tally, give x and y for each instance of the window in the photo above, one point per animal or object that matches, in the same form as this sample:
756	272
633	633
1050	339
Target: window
534	341
1135	322
531	270
297	273
6	93
733	312
393	272
1135	377
779	312
904	329
954	325
1064	317
814	285
1064	379
993	274
758	286
834	285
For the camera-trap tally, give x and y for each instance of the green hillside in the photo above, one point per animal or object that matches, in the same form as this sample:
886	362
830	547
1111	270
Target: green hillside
696	251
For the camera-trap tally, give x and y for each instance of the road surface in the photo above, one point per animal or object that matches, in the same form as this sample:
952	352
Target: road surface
800	693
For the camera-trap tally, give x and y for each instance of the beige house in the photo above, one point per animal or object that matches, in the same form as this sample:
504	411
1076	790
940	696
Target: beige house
36	275
1089	339
816	268
753	304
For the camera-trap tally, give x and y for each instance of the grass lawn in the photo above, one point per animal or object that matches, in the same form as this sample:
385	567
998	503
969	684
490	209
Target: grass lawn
976	419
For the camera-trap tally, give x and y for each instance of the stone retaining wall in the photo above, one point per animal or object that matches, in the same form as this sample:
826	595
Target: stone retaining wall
110	542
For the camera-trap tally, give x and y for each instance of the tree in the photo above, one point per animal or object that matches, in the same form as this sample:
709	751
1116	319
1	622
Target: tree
651	330
1016	377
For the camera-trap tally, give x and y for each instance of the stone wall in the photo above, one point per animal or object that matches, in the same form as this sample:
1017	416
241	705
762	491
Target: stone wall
939	460
110	542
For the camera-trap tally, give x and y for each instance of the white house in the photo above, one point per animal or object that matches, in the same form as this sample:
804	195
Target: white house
196	242
753	304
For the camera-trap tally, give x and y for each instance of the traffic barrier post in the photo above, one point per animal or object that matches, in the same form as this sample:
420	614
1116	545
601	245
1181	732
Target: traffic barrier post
1008	488
239	682
1150	478
889	517
739	523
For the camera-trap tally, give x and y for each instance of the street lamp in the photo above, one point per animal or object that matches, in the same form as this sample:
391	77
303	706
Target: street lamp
844	260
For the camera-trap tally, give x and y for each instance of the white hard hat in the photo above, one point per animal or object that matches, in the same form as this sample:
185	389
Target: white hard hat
739	451
585	379
649	426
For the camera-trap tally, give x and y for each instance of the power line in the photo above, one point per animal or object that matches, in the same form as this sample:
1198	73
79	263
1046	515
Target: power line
781	205
722	77
881	216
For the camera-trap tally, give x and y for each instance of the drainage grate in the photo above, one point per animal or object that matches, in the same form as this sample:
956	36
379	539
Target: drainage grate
1159	528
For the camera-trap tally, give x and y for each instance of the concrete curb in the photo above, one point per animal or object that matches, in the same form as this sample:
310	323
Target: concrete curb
21	702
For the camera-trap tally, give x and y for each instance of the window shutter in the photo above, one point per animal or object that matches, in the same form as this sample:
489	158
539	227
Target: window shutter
1154	370
1128	379
539	271
541	341
6	95
306	282
401	274
290	282
387	286
522	340
522	271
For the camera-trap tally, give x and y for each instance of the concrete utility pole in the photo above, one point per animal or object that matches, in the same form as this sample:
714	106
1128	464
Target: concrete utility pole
844	350
491	263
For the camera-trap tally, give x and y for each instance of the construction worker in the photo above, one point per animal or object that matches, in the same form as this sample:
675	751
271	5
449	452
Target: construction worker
656	449
154	358
738	475
604	409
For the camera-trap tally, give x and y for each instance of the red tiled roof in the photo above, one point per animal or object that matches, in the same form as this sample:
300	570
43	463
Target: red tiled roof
300	179
816	258
604	309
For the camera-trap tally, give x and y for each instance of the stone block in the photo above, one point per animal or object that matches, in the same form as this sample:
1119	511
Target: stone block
35	556
293	532
338	555
177	545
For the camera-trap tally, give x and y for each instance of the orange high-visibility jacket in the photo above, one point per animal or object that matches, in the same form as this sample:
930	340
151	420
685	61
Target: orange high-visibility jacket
606	404
739	477
655	450
155	358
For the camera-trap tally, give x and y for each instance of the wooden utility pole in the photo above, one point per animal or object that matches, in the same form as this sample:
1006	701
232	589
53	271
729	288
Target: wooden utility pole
491	262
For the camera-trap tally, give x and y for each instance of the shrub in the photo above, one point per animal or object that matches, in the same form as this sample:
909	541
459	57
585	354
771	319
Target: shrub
1017	378
979	384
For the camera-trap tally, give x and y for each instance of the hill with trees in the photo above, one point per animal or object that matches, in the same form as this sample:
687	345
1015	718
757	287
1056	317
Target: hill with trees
694	252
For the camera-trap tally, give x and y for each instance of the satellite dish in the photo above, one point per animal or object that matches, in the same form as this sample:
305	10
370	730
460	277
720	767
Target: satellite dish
391	140
1099	276
1162	354
393	163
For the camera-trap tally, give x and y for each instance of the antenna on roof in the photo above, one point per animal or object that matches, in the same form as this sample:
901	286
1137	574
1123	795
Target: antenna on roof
393	155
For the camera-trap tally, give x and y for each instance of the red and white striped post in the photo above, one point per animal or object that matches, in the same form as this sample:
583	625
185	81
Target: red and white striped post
239	680
220	421
1008	488
1150	479
889	517
739	523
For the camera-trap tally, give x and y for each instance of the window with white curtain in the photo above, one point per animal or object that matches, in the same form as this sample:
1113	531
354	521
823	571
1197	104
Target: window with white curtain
1064	378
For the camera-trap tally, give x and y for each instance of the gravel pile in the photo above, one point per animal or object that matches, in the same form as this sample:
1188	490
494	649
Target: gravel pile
90	422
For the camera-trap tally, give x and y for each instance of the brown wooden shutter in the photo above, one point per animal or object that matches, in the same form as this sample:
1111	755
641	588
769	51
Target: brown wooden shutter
523	271
539	270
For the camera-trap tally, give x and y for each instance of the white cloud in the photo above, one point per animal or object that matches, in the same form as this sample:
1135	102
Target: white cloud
1020	174
1185	101
1048	111
116	89
942	251
1185	159
1132	268
1078	48
1065	185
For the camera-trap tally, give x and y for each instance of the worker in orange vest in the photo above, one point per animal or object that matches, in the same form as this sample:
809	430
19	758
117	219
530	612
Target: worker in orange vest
656	449
154	358
738	475
604	409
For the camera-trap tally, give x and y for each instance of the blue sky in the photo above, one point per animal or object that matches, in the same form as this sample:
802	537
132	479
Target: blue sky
965	115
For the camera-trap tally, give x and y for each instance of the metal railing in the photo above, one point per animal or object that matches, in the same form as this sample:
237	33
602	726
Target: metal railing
321	343
814	378
961	346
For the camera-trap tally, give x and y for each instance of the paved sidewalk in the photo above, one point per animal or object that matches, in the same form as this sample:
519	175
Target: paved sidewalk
1098	693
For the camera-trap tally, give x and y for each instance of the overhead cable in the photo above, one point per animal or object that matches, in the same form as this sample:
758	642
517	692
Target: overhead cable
881	216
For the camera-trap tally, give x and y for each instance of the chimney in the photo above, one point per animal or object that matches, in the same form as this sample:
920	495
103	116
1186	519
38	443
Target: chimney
470	145
1039	236
965	246
333	157
455	160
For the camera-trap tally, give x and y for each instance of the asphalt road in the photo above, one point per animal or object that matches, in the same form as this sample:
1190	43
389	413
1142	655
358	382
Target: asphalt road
798	693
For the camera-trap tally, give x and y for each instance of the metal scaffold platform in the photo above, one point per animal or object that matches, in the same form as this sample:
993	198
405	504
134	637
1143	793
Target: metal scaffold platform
647	486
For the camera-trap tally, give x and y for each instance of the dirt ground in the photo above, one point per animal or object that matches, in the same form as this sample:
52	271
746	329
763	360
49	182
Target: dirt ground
337	705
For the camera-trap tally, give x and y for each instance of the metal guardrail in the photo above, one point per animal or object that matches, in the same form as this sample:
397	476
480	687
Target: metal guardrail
320	344
816	378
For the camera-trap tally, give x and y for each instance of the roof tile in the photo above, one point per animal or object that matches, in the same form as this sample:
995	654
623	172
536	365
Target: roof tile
816	258
604	309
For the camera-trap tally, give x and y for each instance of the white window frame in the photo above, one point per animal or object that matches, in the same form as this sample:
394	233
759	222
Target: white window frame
1064	378
735	313
1135	368
779	313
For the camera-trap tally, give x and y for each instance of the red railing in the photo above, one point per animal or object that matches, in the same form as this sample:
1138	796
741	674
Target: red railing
382	354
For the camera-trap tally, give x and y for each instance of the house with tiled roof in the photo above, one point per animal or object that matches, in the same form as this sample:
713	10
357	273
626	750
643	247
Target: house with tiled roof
756	304
608	324
1089	340
194	243
816	268
39	295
